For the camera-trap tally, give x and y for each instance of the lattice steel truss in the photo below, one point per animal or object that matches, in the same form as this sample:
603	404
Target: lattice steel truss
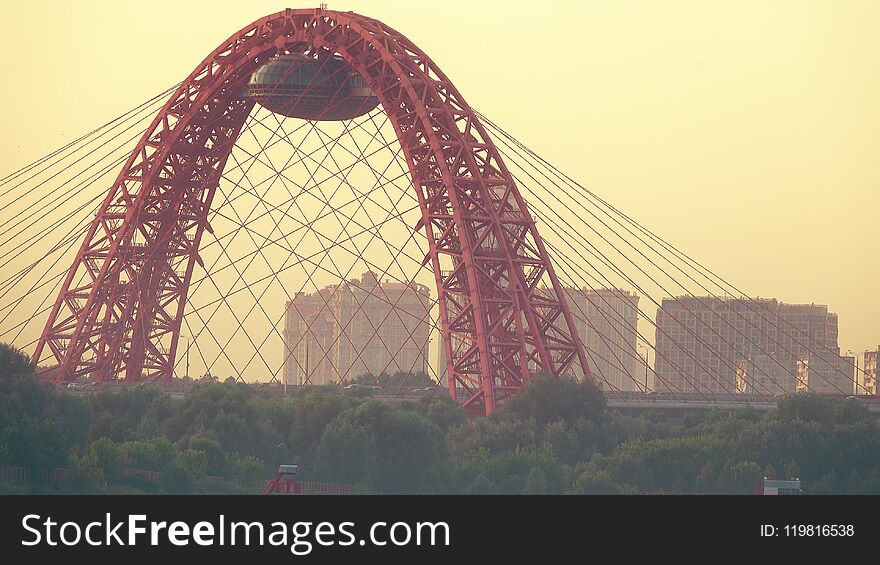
503	315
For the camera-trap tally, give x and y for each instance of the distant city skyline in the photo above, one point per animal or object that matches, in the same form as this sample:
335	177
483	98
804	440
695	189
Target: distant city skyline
710	345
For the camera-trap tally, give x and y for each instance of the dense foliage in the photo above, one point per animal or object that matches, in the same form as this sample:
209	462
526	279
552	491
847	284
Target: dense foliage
555	437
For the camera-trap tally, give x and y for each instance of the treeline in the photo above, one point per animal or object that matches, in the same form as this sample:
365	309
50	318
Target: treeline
398	379
555	437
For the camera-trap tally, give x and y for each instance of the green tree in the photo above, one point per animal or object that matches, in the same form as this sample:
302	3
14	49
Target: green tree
510	470
806	406
176	479
119	415
195	462
312	412
154	454
400	379
397	450
246	469
348	454
14	364
546	399
442	411
481	485
744	476
596	481
536	482
107	454
214	457
494	435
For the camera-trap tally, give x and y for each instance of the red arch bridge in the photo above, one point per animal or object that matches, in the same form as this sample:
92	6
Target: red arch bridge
313	146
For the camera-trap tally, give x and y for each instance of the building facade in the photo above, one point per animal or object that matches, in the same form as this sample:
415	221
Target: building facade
361	326
867	377
610	338
760	374
825	373
716	345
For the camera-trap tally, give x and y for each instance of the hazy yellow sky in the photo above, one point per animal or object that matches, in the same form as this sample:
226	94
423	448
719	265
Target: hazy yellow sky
747	132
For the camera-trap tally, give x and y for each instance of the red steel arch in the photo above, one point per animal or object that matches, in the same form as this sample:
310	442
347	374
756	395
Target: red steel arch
502	310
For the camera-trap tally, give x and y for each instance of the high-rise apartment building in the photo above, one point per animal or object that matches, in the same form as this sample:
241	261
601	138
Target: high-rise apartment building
825	373
763	374
717	345
610	337
867	377
357	327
